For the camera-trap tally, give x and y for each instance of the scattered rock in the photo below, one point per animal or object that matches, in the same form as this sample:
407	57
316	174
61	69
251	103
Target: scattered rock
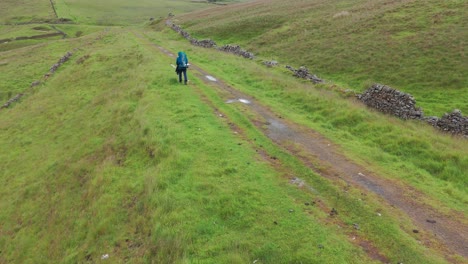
333	212
303	73
270	63
36	83
291	210
431	221
415	231
356	226
321	246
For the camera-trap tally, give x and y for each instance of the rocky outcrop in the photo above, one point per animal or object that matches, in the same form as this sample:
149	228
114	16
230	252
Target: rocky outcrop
391	101
303	73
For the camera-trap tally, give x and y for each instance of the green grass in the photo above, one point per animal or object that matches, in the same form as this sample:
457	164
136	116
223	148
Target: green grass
126	162
121	12
111	155
111	159
13	31
411	47
12	11
21	66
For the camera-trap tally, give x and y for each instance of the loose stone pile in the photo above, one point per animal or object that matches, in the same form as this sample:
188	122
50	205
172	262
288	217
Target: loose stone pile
402	105
391	101
303	73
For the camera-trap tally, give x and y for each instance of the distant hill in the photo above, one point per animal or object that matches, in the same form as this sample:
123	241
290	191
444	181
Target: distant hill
414	47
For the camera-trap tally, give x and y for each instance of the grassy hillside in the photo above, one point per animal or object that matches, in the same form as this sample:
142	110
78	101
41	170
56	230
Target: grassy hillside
415	47
121	12
125	162
103	162
111	160
12	11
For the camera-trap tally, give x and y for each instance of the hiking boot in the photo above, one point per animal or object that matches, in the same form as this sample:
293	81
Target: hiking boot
185	82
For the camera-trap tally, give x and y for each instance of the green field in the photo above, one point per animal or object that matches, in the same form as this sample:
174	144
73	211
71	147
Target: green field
111	160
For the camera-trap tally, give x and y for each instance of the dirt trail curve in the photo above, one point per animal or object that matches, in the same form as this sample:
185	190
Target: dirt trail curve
450	230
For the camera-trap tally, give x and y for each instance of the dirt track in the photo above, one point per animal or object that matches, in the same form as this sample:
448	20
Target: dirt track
450	231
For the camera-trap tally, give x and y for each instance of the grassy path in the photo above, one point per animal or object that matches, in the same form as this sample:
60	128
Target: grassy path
324	158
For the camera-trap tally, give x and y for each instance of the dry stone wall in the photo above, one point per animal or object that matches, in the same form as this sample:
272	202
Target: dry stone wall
235	49
391	101
208	43
12	100
403	105
454	123
52	70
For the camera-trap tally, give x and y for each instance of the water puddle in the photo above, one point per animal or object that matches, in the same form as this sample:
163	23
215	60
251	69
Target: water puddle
302	184
211	78
244	101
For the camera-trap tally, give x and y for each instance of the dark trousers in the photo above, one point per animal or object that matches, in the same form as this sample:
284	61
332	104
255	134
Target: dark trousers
184	71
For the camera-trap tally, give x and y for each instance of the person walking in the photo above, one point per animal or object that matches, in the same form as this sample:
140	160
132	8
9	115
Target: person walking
182	65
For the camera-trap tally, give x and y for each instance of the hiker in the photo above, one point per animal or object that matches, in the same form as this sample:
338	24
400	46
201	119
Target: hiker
182	65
